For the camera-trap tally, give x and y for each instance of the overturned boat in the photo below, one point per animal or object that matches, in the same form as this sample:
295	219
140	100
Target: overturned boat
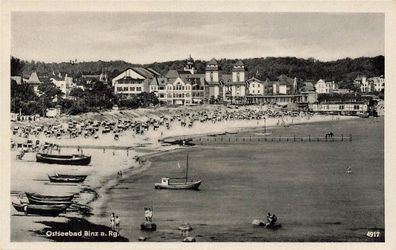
74	159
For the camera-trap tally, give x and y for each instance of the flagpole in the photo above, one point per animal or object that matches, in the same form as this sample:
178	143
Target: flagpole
187	168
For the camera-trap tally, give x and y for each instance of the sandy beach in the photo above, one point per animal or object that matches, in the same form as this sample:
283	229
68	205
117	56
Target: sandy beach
109	157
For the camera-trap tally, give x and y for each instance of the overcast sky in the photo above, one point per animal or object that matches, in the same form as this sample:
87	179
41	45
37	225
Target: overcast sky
156	37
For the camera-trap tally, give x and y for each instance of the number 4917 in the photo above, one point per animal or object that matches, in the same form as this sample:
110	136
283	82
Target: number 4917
373	234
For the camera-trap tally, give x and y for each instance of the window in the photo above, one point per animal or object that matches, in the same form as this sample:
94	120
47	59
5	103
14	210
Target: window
258	91
125	89
132	88
341	107
356	107
138	88
119	89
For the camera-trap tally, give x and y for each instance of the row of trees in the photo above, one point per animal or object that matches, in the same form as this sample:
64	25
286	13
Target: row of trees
343	71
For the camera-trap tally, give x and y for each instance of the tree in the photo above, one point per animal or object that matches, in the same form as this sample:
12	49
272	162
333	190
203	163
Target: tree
16	66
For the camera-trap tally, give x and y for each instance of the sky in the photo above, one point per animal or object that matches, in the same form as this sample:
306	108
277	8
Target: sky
147	37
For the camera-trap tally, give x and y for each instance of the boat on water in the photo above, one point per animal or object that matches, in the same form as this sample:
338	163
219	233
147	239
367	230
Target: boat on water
66	178
45	210
74	159
178	183
50	197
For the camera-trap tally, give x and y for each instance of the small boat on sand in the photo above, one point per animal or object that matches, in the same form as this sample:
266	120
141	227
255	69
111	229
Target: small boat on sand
66	178
175	183
45	210
50	197
74	159
33	200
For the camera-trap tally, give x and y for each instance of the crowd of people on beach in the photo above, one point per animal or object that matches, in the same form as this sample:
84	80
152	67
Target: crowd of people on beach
89	128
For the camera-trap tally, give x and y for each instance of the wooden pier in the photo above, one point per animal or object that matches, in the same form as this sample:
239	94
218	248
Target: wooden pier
224	139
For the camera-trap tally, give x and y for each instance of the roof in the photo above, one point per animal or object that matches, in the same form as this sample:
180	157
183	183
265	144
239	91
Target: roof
194	80
127	79
153	71
285	80
33	79
239	63
17	79
159	81
212	62
172	74
254	79
144	72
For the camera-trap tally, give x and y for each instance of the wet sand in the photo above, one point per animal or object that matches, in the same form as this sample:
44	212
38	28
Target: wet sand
305	184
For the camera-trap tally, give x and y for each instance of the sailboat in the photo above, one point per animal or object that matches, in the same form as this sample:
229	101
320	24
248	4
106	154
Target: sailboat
178	183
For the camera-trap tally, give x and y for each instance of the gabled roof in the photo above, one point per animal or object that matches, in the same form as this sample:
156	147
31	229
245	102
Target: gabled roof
255	80
172	74
212	62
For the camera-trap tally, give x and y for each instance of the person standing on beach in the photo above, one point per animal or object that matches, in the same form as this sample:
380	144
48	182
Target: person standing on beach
117	224
112	221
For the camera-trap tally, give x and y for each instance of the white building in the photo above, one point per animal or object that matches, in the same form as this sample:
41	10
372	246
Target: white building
377	83
323	87
256	86
133	81
64	84
363	83
349	108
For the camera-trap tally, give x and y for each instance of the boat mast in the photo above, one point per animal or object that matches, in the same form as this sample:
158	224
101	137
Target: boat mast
187	168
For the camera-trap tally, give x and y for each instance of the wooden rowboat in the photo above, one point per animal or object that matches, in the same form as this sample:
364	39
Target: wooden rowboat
45	210
33	200
50	197
66	179
73	159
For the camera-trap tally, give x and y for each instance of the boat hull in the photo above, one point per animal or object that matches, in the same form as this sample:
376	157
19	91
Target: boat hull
59	179
63	159
44	210
49	197
189	185
48	202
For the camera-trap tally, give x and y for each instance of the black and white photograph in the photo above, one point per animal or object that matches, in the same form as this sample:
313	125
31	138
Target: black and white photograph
196	126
